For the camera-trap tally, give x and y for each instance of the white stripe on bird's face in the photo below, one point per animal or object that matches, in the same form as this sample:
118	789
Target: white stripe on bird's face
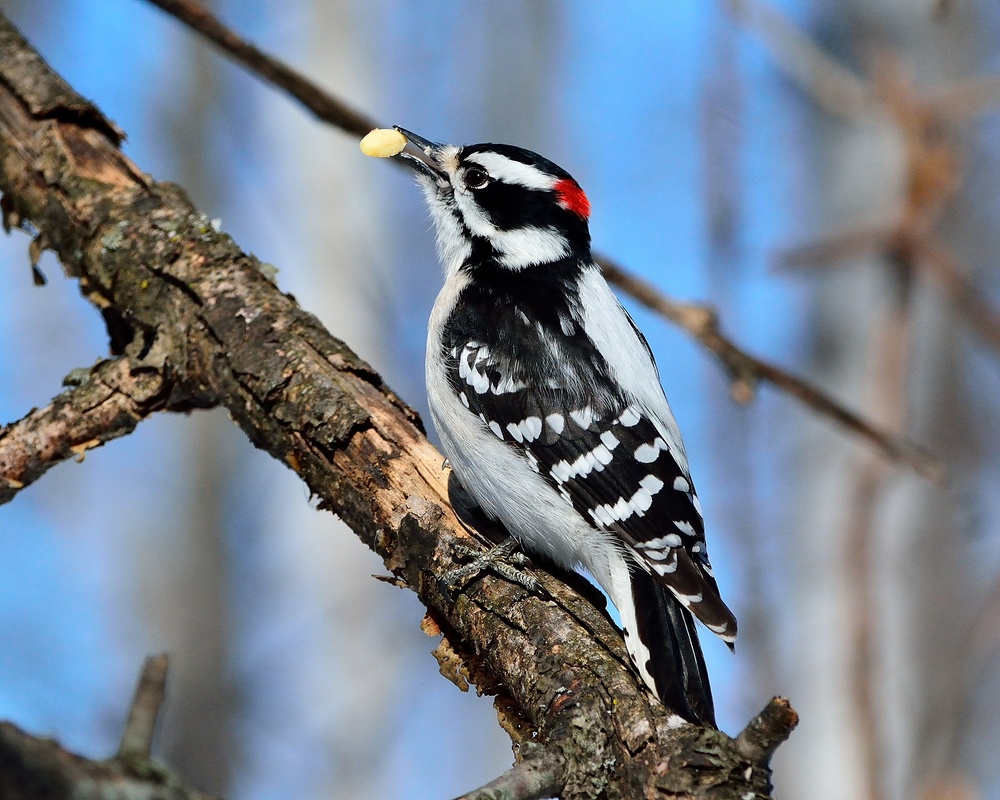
515	173
515	249
527	247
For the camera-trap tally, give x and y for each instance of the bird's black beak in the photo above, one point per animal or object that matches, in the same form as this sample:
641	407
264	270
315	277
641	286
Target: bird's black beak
427	167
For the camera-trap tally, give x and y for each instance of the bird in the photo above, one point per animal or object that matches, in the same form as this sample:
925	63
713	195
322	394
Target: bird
549	408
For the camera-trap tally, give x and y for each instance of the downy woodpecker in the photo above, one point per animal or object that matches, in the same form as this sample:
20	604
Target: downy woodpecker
549	406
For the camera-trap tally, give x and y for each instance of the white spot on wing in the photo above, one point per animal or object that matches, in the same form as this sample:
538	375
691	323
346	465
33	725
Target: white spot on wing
641	501
556	422
602	515
583	417
495	427
668	566
647	453
610	440
515	431
480	382
560	471
621	510
681	484
602	454
661	542
651	484
685	527
608	514
507	386
630	416
688	599
531	428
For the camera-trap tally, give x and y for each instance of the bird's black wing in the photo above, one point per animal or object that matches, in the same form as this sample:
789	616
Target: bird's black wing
604	455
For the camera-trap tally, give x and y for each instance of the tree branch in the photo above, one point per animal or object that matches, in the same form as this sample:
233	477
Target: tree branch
311	95
202	312
836	89
103	403
140	727
32	768
536	776
37	767
767	731
745	369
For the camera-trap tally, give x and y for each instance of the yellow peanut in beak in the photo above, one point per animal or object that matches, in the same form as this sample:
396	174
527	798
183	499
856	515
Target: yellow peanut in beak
383	143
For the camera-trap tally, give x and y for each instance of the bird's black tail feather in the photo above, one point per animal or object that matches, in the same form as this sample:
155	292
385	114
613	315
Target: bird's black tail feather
675	662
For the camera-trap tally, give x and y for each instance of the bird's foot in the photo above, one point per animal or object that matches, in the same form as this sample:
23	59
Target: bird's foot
503	560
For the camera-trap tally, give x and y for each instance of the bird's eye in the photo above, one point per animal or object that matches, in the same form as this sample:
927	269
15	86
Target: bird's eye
475	178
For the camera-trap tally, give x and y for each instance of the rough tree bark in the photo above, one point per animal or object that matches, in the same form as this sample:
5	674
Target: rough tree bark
197	322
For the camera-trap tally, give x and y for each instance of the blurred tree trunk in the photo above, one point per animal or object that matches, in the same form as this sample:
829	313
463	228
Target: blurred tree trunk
877	564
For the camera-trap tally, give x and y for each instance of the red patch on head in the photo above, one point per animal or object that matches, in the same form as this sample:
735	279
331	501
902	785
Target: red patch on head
572	198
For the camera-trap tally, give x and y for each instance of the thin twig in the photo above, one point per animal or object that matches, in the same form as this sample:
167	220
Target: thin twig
937	260
838	90
311	95
137	737
703	325
697	320
834	249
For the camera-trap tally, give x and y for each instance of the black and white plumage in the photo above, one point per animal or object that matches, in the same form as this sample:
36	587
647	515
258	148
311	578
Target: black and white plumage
549	407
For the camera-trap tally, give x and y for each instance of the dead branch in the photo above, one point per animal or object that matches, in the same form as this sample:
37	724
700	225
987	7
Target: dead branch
103	403
745	370
206	314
